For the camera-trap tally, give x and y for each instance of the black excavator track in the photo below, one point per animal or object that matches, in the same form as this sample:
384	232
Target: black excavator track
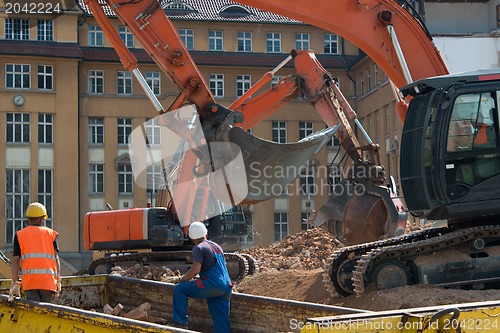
353	269
238	265
339	267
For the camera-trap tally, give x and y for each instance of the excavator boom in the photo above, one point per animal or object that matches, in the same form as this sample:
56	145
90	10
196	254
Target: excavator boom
147	21
365	23
442	178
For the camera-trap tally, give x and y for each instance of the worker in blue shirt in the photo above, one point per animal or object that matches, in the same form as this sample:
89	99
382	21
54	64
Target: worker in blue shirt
213	284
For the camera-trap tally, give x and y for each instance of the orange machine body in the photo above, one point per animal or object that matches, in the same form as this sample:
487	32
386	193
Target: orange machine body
138	228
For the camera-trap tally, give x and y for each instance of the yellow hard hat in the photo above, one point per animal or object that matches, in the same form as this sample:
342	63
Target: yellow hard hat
36	209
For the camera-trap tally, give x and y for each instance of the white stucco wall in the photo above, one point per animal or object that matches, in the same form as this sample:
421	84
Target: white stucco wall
463	17
470	53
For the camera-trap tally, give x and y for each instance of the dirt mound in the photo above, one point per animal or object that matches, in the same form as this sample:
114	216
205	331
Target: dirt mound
294	284
307	286
415	297
306	250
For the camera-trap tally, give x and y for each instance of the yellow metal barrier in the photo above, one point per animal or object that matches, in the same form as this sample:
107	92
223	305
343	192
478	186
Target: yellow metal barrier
22	316
481	317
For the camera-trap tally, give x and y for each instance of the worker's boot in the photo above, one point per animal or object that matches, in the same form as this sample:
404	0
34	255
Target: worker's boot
177	325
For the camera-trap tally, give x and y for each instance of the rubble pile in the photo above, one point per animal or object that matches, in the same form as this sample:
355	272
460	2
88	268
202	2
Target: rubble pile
138	271
305	250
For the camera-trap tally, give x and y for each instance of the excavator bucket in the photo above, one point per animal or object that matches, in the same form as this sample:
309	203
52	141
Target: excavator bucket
270	166
359	212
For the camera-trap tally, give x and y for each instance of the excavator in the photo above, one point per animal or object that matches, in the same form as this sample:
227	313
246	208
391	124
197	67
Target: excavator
162	229
449	150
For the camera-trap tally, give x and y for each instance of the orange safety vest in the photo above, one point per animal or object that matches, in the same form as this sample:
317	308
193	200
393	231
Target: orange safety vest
38	258
481	135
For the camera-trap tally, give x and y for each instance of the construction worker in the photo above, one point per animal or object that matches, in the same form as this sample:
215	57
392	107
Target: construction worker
35	252
214	283
485	134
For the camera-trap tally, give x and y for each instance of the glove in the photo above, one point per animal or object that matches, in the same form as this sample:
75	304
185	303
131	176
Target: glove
58	291
15	291
173	279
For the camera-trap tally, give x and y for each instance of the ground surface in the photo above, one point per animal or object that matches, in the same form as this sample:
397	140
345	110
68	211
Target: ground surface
293	269
303	285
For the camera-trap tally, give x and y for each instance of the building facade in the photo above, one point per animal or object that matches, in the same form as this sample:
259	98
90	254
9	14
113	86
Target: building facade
68	106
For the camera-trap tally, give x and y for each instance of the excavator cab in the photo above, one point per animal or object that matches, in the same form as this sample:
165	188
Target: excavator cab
450	156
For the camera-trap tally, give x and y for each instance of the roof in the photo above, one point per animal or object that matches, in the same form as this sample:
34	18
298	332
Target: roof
201	58
208	10
446	81
41	49
211	58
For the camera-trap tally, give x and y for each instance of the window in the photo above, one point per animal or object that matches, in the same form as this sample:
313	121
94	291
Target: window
387	122
124	83
275	80
279	131
45	30
243	83
45	193
124	130
233	10
96	130
187	37
334	142
155	178
17	199
273	42
96	36
17	76
216	84
375	75
305	129
302	41
96	178
303	220
178	5
96	82
125	179
334	178
153	80
215	40
280	226
307	182
18	127
244	41
368	80
126	36
18	29
153	132
45	77
361	85
330	44
45	128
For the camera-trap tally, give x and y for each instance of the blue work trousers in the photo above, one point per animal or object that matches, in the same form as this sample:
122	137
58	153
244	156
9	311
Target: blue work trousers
218	301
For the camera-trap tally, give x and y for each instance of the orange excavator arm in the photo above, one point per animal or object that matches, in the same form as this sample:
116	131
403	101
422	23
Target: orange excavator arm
387	32
367	24
149	24
372	25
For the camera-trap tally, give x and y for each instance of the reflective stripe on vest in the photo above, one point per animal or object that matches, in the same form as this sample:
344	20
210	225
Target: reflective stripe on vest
38	255
39	271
